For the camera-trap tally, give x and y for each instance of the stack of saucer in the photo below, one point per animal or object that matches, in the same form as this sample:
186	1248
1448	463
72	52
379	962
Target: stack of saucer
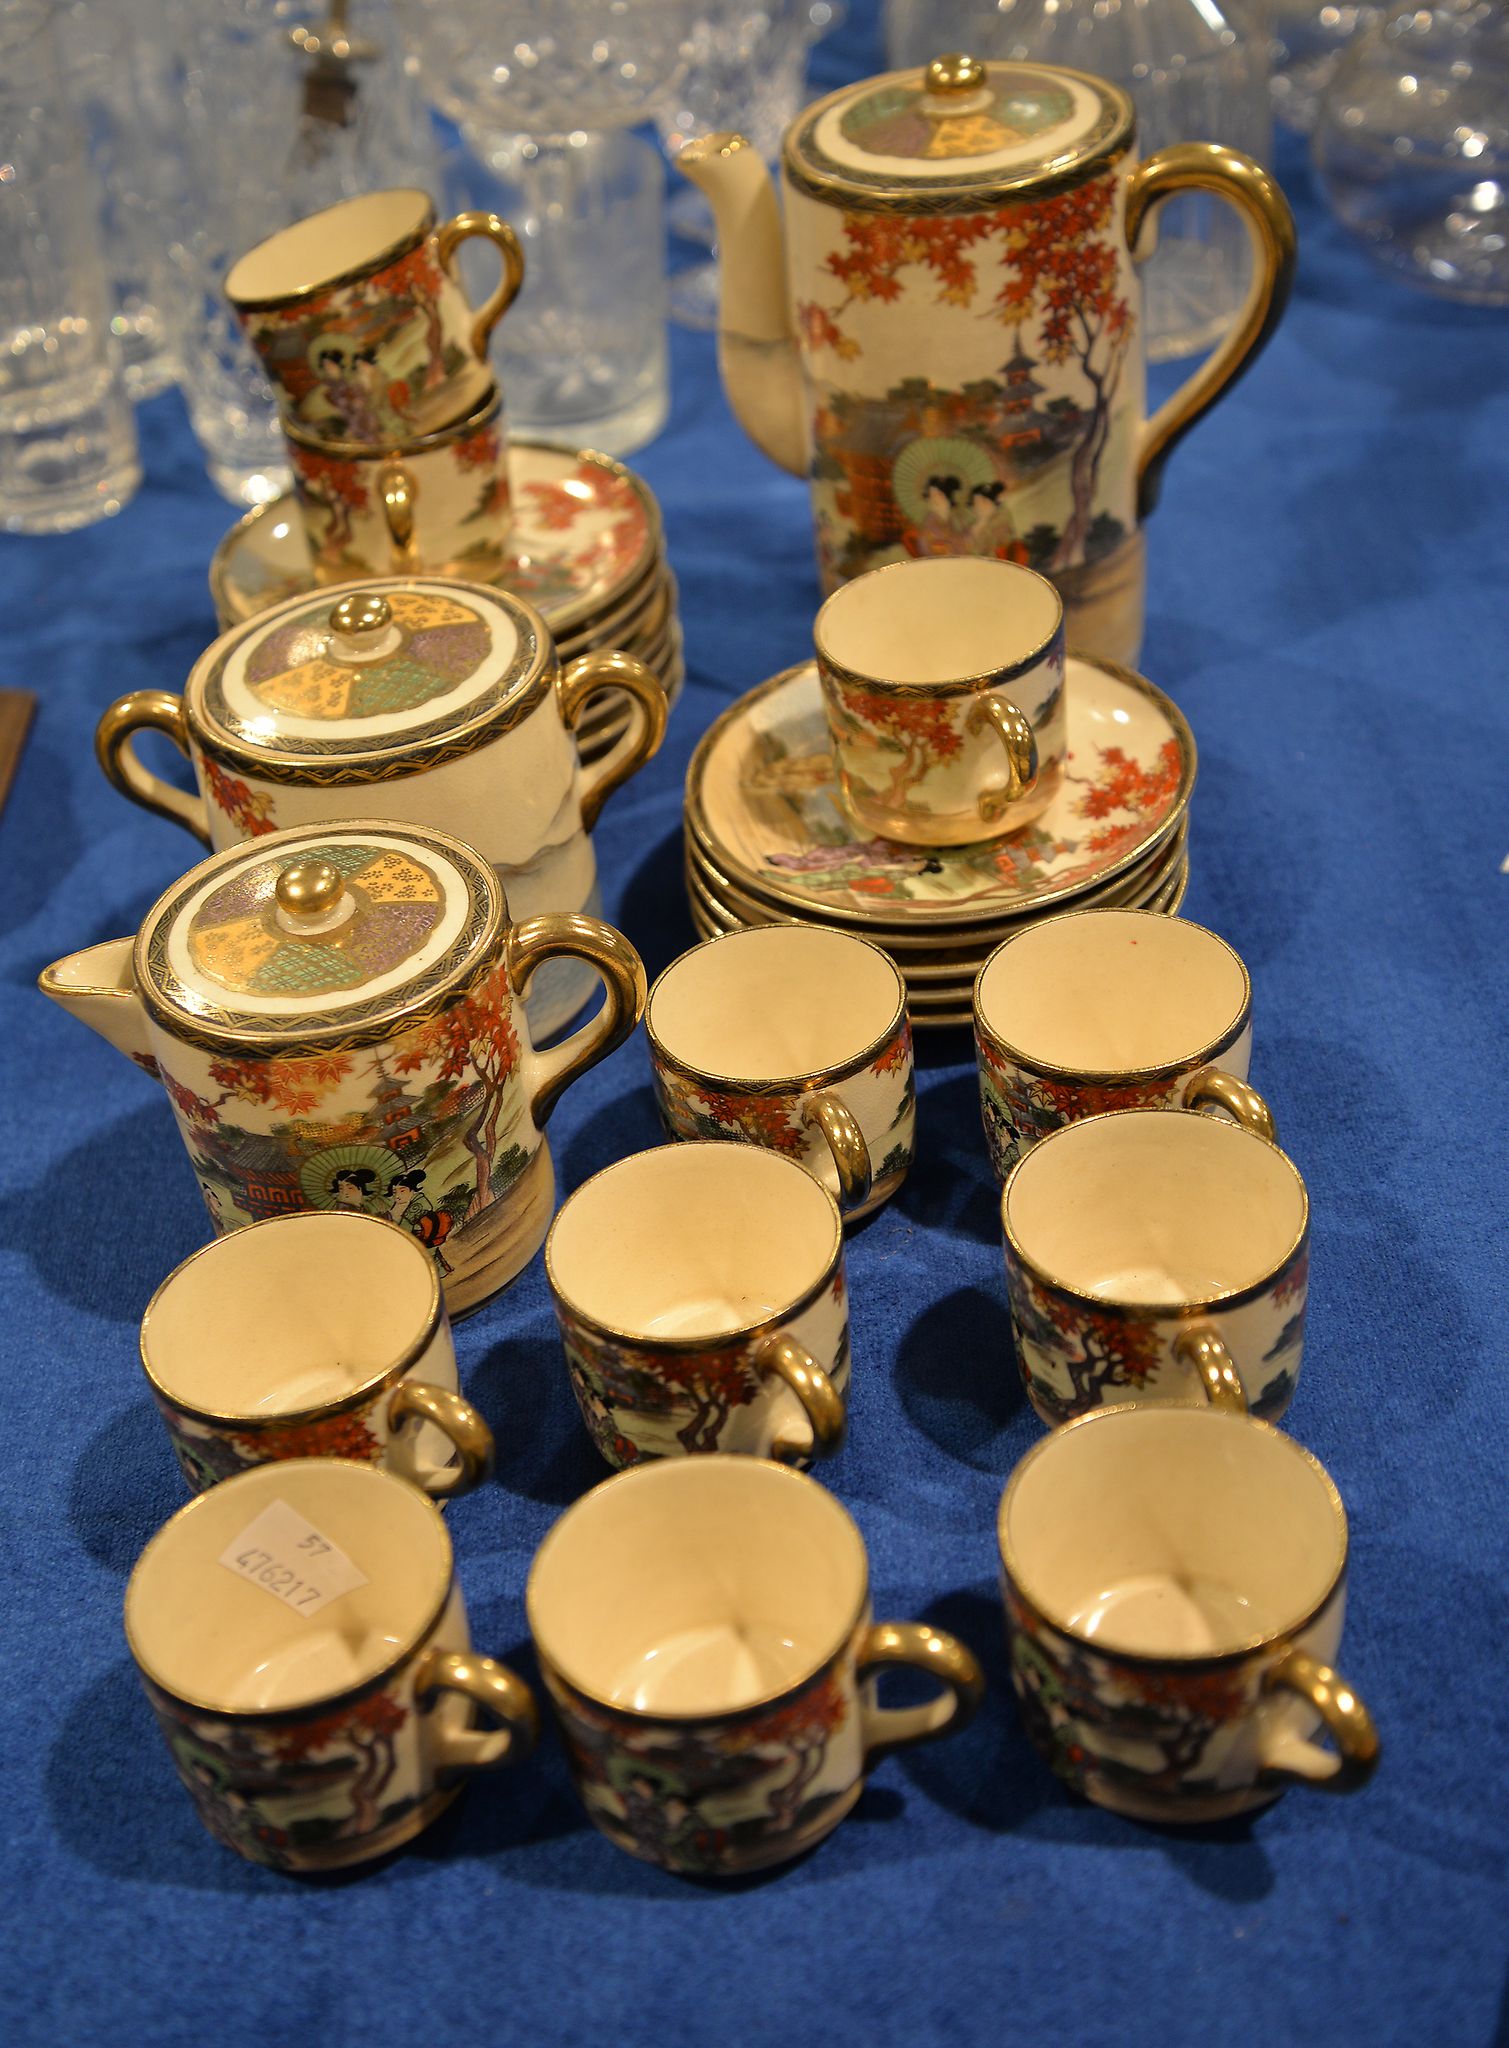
767	839
585	549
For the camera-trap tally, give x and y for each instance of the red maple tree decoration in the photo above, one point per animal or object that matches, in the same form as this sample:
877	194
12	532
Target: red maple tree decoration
336	486
1062	267
296	1086
920	728
251	811
475	1033
332	1436
716	1382
368	1728
803	1727
893	1060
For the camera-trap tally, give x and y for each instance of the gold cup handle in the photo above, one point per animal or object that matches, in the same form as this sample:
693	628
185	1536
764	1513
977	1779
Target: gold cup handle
400	494
560	934
1014	730
821	1400
1292	1761
1210	1088
492	228
887	1644
498	1691
149	711
1202	1350
581	680
846	1141
1244	184
417	1401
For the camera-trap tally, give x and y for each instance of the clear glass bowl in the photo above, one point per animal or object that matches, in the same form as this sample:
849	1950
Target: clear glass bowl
1411	148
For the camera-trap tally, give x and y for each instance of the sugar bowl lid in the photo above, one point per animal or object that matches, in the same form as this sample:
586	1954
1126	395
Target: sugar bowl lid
373	679
318	939
956	134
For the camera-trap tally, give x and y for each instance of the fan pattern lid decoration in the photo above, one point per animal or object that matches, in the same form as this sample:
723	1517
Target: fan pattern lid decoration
958	130
317	934
374	671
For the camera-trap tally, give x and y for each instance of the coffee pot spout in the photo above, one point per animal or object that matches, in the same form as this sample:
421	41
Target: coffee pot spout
757	346
98	986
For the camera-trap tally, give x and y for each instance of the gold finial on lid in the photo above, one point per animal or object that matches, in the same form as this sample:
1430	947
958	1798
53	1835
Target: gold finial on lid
954	72
310	889
360	616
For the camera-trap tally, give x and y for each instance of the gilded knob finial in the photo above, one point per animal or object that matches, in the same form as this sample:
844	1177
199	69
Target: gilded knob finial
954	72
360	616
309	889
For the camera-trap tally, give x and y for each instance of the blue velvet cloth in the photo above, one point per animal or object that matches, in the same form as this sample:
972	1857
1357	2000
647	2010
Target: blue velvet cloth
1327	577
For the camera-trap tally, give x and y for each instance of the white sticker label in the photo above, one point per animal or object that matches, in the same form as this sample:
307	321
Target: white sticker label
289	1558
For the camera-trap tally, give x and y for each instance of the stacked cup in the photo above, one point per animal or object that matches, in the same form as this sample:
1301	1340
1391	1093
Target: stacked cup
378	362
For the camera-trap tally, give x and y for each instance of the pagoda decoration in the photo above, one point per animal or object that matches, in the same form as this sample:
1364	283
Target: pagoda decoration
396	1114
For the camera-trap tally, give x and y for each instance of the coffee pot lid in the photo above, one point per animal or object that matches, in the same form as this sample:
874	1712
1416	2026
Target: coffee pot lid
319	939
378	678
956	134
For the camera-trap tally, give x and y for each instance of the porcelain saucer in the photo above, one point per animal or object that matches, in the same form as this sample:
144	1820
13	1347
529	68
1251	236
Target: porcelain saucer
762	805
586	536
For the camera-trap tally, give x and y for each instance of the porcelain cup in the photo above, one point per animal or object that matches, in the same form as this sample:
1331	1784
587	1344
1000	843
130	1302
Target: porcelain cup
1110	1009
360	322
1174	1582
434	505
1152	1254
944	687
701	1297
704	1632
318	1335
796	1038
304	1644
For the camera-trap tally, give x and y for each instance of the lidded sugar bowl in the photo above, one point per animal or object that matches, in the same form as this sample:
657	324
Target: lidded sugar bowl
424	699
336	1013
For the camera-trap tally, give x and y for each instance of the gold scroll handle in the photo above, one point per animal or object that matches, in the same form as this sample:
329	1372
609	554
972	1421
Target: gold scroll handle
1013	728
1345	1719
889	1644
400	495
821	1401
491	227
846	1142
149	711
562	934
575	687
1244	184
499	1692
418	1401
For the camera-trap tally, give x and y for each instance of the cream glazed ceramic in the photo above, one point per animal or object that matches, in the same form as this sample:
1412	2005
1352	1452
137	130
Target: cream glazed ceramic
314	1740
313	1336
432	702
361	325
796	1038
336	1015
1174	1582
947	333
704	1631
702	1304
944	687
1152	1255
1097	1010
438	504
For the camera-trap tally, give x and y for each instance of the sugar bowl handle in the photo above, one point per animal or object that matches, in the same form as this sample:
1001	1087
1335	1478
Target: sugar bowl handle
580	681
821	1401
149	711
559	934
492	228
500	1693
1245	185
1293	1761
887	1644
